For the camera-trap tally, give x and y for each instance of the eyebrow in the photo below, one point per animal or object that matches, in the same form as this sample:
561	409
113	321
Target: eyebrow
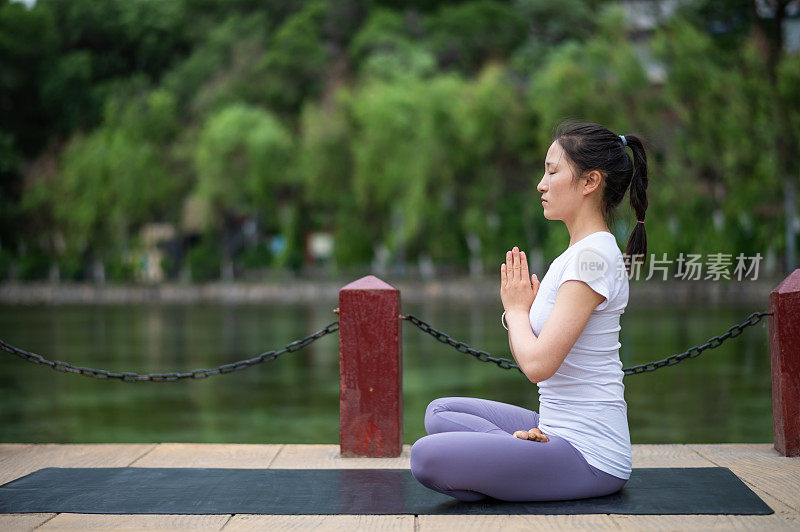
549	164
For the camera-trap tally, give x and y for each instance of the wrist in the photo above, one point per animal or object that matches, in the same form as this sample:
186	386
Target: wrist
517	319
516	312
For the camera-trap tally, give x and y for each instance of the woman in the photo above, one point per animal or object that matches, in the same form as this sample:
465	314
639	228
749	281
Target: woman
564	335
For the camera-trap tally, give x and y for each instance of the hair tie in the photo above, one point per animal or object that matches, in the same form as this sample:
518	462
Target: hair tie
640	221
624	142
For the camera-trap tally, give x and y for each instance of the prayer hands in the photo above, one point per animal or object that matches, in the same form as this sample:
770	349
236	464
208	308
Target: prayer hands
534	435
516	291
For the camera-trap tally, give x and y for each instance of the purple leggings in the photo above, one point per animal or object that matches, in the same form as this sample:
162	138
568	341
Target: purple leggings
470	453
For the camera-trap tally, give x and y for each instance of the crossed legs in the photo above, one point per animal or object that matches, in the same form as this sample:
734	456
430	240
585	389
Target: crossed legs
470	453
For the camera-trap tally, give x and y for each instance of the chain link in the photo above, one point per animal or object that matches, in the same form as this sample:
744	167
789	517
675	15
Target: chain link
483	356
462	347
671	360
712	343
170	377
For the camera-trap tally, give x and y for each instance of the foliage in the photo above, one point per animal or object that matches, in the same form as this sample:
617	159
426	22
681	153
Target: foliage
600	78
730	174
242	161
411	132
204	260
466	35
293	66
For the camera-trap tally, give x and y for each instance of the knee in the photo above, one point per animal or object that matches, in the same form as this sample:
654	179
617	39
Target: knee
422	460
434	407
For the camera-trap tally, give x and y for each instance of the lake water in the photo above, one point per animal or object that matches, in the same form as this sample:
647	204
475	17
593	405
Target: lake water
721	396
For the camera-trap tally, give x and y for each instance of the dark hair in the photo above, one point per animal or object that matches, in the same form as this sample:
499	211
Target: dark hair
591	146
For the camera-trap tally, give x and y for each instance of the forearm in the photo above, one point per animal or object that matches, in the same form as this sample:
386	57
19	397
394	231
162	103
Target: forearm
522	342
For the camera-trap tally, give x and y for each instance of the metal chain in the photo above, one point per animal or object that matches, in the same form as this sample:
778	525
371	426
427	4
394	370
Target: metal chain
170	377
692	352
671	360
462	347
483	356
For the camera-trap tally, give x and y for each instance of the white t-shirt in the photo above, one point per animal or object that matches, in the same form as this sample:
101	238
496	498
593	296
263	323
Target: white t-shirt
583	402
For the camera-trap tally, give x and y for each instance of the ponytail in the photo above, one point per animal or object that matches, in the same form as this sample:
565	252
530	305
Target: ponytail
636	249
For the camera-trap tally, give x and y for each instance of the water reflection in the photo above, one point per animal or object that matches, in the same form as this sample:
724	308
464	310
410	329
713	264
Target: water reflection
721	396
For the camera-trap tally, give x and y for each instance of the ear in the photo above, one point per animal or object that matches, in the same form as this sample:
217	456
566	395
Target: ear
593	180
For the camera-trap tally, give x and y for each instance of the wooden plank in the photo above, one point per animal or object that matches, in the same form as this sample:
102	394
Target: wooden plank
22	521
771	476
502	523
758	465
704	522
21	459
781	509
326	456
320	522
79	522
669	455
246	456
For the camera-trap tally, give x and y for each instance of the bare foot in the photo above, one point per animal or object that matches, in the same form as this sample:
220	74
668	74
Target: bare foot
537	435
534	435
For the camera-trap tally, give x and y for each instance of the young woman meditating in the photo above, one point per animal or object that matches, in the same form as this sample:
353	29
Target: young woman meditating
564	334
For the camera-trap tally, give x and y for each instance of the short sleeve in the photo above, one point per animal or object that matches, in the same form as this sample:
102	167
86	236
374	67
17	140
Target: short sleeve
594	266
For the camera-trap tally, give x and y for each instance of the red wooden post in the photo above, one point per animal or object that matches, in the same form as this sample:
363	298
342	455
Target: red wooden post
784	354
370	370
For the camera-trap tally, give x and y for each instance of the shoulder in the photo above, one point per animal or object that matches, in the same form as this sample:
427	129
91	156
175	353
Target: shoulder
596	261
595	254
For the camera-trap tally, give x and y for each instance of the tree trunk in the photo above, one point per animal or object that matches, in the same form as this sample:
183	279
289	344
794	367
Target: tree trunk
55	273
98	271
790	202
771	29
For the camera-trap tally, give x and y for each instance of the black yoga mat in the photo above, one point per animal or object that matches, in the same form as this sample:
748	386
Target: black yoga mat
145	490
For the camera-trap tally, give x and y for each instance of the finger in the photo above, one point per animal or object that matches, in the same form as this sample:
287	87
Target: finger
523	265
516	263
521	434
503	275
509	264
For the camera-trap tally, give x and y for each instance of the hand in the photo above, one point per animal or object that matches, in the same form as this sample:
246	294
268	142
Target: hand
515	290
534	435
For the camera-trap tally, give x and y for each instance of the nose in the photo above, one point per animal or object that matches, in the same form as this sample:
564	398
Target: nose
541	186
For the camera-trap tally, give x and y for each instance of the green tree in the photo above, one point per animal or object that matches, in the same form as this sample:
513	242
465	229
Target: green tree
111	181
494	184
388	44
244	168
600	80
549	25
721	164
464	36
403	140
293	67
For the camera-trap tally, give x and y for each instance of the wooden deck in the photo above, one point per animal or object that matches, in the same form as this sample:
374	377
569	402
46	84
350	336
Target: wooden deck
774	478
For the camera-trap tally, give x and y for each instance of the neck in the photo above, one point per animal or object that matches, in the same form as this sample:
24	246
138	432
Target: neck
583	226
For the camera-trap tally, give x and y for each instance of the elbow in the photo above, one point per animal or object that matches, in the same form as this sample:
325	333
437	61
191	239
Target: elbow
536	373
